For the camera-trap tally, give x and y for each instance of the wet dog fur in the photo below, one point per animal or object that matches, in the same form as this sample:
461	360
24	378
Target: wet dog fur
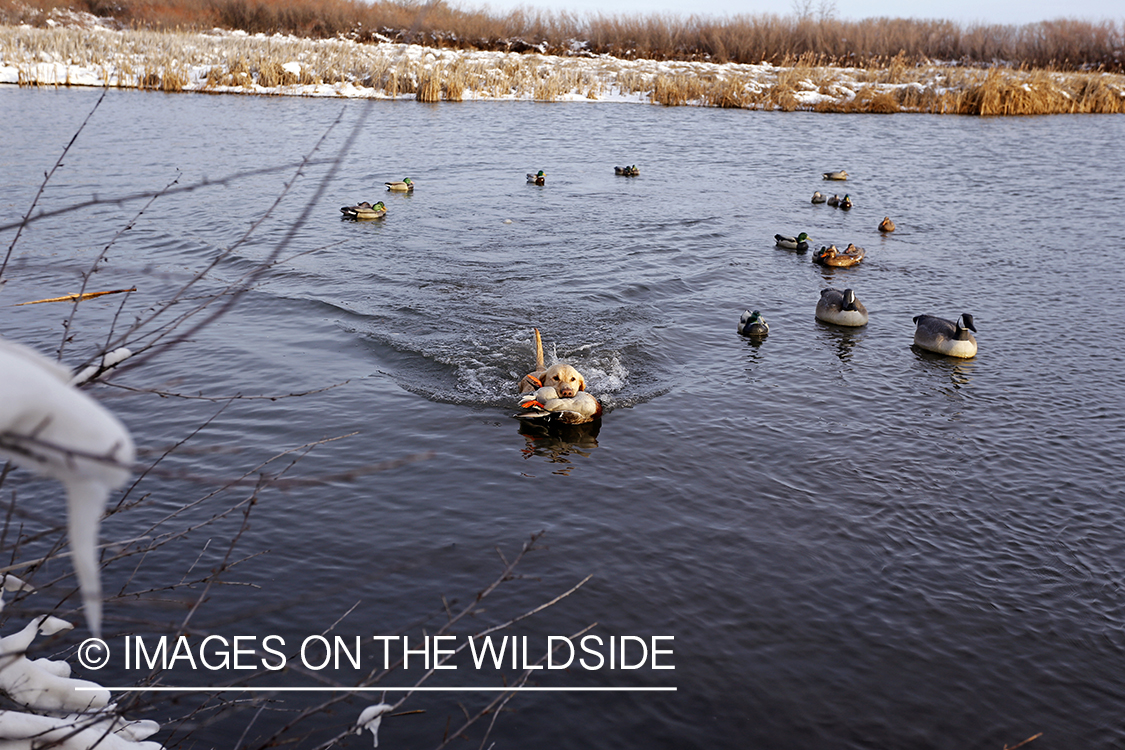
566	380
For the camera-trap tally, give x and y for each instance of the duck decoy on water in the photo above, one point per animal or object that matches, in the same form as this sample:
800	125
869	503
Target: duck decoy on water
840	308
946	337
405	185
886	225
546	404
819	197
753	324
839	174
364	211
538	178
845	203
830	256
834	201
800	242
632	171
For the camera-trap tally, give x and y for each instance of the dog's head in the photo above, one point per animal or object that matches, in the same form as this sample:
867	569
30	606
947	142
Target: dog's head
564	379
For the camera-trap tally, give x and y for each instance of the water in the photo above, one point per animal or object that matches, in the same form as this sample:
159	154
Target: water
853	543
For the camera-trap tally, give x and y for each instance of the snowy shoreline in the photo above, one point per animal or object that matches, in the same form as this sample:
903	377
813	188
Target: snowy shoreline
90	54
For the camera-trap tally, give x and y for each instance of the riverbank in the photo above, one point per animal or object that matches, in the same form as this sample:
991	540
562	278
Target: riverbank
87	53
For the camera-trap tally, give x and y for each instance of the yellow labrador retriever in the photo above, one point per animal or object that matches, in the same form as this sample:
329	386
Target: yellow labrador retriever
556	393
566	380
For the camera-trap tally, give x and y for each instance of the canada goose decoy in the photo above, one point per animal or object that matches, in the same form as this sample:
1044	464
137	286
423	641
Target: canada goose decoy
364	211
818	197
845	203
840	308
834	201
632	171
753	324
800	242
886	225
830	256
538	178
839	174
406	185
946	337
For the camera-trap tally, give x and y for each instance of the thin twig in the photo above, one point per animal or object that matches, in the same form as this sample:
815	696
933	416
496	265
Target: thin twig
27	218
75	296
1021	744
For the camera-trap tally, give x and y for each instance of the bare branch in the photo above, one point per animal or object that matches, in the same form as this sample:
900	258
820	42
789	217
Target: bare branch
18	226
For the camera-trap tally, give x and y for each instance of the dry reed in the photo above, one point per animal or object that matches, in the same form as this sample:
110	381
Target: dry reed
871	42
187	61
429	86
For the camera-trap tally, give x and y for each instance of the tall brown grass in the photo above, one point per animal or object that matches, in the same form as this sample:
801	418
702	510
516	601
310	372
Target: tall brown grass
189	61
1058	44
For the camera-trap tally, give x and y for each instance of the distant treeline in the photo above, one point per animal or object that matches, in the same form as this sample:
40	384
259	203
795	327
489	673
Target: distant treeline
1059	44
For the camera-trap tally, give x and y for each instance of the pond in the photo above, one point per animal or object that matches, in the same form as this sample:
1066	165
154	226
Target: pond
851	542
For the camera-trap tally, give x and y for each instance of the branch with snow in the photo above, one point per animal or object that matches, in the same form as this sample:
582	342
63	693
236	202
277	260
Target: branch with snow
61	711
51	428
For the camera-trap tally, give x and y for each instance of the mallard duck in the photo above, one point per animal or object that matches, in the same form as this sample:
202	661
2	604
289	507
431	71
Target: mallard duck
546	404
830	256
946	337
839	174
840	308
845	203
632	171
886	225
800	242
818	197
538	178
364	211
834	200
406	185
753	324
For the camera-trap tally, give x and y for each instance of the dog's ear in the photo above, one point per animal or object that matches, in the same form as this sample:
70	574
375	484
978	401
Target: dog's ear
581	382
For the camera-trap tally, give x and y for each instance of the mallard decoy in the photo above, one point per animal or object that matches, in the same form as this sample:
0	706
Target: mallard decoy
800	242
830	256
632	171
946	337
818	197
845	203
834	201
364	211
538	178
840	308
406	185
886	225
839	174
753	324
546	404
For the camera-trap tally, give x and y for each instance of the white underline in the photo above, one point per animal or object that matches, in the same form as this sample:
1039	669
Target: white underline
321	689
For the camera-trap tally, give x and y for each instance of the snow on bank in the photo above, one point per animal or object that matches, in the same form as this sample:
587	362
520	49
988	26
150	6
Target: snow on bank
236	62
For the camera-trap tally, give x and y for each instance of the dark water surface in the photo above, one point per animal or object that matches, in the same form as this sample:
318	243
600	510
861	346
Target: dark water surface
853	543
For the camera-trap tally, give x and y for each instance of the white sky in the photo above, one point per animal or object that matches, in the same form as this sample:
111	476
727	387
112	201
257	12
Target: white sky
965	12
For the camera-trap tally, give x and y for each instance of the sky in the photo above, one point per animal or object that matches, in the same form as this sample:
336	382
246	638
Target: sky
965	12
